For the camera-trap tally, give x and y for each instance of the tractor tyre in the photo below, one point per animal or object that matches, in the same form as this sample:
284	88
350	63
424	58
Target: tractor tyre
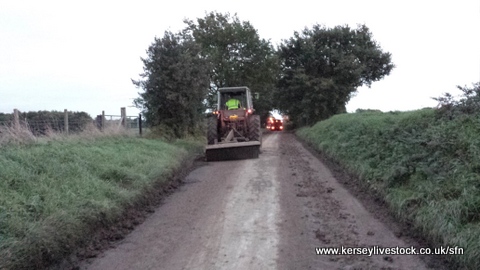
212	131
254	129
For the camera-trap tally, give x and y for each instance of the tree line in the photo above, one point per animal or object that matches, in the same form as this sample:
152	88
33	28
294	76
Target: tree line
310	76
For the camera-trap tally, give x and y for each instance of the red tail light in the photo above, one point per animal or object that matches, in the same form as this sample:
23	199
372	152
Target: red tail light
249	111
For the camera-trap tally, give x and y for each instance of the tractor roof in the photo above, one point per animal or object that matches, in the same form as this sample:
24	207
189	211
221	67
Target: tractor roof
233	89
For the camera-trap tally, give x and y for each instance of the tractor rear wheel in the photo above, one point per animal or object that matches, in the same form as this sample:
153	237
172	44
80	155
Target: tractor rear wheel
212	131
254	129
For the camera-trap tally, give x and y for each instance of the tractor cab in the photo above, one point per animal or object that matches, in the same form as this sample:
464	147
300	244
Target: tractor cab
241	94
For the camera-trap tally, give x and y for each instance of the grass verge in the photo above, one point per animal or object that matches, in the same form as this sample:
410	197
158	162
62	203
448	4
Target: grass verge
425	167
54	192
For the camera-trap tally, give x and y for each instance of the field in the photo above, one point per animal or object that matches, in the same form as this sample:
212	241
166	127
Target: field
55	192
424	164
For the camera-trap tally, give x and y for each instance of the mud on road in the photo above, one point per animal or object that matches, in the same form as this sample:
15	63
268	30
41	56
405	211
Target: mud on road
266	213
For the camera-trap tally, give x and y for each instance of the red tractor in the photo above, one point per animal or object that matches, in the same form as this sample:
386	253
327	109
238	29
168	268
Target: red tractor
233	130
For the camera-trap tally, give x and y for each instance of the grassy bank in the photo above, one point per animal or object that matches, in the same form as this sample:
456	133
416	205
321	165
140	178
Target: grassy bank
426	167
52	192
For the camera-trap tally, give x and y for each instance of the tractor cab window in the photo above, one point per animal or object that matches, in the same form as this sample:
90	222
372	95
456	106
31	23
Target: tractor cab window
226	100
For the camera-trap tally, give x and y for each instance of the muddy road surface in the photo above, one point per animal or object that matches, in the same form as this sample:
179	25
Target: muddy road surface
266	213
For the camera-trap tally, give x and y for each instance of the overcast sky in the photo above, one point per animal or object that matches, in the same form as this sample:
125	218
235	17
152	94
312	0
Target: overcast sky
82	55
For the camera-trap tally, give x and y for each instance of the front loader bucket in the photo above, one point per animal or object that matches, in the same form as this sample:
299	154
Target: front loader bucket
232	151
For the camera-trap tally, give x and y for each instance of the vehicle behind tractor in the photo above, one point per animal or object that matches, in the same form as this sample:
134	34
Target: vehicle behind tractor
274	124
233	130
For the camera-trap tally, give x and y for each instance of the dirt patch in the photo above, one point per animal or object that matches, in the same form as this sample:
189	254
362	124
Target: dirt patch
310	210
106	233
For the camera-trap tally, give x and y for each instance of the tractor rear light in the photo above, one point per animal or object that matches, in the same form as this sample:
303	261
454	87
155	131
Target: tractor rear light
215	112
281	127
249	111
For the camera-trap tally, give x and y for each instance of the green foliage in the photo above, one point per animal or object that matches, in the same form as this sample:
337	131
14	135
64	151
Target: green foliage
469	102
310	77
321	68
367	111
239	57
52	194
425	166
175	82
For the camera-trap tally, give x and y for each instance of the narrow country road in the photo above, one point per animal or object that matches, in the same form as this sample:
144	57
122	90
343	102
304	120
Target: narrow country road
266	213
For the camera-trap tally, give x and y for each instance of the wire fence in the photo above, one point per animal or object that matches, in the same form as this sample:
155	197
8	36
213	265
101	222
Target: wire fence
45	122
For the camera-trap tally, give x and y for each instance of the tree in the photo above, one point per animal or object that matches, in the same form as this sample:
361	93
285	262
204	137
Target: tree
321	68
175	82
238	57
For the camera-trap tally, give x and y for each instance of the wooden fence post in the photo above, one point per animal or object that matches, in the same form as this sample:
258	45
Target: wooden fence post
140	123
65	121
102	123
16	119
123	113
